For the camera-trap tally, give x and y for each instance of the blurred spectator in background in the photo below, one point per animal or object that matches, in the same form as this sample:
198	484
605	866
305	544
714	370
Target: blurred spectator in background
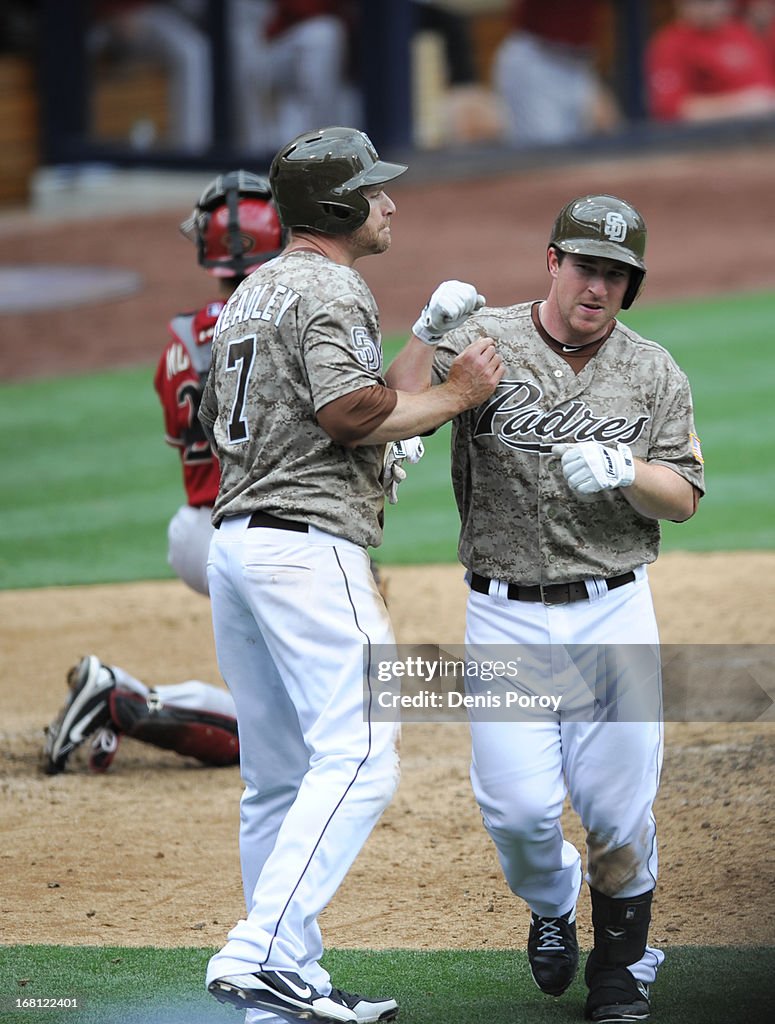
760	16
459	109
171	35
453	28
292	68
545	71
707	64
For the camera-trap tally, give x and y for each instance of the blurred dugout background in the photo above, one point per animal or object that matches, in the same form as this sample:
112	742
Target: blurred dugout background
78	103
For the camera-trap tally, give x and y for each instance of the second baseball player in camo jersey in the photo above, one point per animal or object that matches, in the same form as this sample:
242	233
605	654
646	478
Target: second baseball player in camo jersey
561	478
300	415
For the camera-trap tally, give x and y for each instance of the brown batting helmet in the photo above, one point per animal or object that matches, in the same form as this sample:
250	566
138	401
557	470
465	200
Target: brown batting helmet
316	179
603	225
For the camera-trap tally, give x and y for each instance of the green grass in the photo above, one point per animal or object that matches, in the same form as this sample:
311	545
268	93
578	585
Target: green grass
89	485
165	986
725	346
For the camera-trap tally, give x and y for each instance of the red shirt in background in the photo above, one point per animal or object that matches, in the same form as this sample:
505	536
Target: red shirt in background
570	22
684	61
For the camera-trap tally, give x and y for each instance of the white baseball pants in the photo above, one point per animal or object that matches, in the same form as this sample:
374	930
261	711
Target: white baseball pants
188	545
522	770
293	616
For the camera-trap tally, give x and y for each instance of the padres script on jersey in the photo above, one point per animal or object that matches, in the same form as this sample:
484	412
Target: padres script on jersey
298	333
631	391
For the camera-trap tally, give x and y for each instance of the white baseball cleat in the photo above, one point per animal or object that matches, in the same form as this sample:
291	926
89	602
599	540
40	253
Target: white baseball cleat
368	1011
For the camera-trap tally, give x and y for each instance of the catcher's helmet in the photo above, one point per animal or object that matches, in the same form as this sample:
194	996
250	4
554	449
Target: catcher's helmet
316	179
603	225
234	225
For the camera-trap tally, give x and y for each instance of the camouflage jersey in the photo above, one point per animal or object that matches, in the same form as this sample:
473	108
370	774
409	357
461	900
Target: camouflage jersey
520	520
298	333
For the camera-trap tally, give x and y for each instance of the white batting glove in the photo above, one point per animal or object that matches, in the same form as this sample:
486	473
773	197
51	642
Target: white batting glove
393	472
412	449
450	306
590	467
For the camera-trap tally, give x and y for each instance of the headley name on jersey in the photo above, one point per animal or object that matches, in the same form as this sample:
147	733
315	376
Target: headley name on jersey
255	304
514	417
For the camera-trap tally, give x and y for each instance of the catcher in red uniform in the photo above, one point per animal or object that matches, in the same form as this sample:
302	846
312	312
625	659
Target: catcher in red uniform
235	228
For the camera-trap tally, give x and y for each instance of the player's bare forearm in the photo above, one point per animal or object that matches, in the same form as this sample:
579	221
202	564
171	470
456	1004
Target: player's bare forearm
411	368
418	413
473	377
659	493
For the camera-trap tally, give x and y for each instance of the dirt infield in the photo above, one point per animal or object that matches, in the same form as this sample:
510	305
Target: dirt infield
148	853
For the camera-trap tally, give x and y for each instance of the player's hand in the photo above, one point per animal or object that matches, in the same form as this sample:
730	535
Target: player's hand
450	305
393	472
590	467
476	372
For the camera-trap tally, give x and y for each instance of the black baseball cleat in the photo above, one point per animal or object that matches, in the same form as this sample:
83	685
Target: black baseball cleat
553	951
615	996
284	993
86	711
367	1011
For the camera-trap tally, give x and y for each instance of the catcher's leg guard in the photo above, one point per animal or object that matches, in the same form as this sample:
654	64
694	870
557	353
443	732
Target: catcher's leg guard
210	738
621	929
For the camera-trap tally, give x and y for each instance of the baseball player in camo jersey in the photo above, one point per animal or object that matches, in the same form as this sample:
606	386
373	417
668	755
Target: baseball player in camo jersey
300	415
235	228
561	478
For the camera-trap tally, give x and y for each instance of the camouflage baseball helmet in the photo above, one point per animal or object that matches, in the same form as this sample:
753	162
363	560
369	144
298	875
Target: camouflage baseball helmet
604	225
316	179
235	225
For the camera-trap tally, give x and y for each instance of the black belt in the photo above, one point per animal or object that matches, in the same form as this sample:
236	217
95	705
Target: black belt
549	593
273	523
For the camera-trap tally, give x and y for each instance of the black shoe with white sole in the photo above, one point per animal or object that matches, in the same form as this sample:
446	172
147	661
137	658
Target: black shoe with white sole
553	951
86	711
368	1011
615	996
284	993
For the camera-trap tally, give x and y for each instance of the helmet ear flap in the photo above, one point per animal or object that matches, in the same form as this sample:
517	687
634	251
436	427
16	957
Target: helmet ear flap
634	288
349	217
